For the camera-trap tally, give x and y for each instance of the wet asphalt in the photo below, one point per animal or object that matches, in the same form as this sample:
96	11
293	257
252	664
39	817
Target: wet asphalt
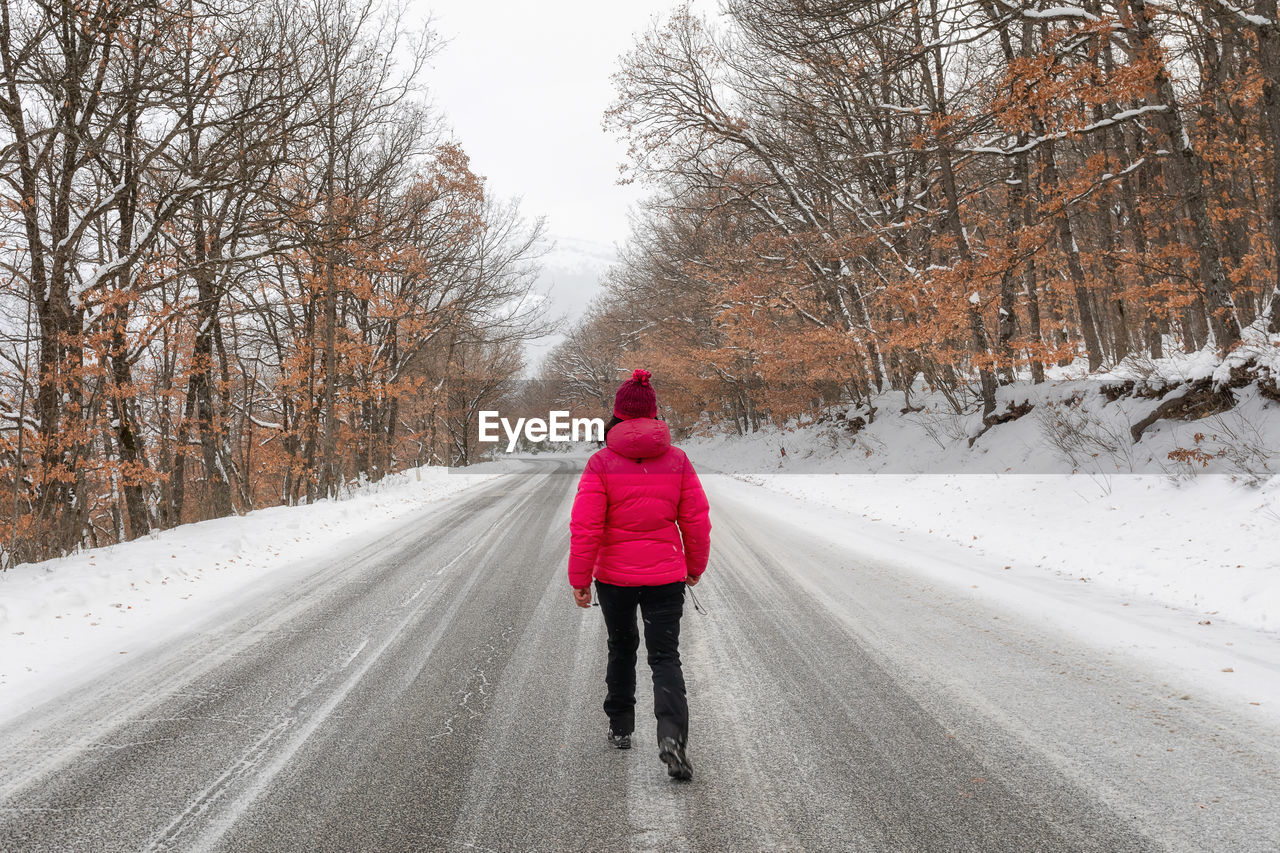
437	690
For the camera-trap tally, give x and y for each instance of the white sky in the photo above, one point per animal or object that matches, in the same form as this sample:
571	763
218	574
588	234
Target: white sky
524	86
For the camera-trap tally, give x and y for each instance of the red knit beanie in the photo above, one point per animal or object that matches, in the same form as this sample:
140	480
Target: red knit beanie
635	398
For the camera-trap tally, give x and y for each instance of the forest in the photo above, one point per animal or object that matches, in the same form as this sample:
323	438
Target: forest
957	195
243	263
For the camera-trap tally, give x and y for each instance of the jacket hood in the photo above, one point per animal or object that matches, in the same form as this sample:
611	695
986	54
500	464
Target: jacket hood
639	438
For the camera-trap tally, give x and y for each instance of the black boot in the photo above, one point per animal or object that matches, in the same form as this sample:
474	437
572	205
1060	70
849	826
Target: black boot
671	751
619	741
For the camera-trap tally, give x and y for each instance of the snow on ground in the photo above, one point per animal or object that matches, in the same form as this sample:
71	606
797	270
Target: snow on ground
1061	491
1230	664
1164	547
63	619
1061	500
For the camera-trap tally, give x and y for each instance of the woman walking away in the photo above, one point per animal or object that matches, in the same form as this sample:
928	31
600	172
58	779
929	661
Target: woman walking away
640	527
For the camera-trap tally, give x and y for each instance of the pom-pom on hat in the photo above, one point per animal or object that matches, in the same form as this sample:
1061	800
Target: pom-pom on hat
635	398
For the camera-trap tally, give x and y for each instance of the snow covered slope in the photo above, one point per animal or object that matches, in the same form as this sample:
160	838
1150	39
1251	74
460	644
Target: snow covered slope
1188	515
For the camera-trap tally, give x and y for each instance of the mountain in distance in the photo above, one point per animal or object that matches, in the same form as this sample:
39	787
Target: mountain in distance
572	271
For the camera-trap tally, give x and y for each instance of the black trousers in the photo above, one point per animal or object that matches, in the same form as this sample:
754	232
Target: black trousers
661	608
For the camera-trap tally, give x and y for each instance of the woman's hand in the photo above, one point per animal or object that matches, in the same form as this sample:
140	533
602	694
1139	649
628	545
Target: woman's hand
582	597
692	580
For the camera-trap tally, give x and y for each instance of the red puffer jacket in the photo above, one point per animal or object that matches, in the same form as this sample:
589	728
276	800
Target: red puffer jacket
640	517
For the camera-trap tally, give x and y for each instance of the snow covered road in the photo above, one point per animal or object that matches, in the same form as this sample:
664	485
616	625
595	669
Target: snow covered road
438	691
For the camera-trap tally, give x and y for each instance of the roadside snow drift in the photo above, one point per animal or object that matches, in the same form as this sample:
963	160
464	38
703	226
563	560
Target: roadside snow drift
1188	515
67	618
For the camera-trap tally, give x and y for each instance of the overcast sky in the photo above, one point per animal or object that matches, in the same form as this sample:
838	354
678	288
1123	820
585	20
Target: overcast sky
524	86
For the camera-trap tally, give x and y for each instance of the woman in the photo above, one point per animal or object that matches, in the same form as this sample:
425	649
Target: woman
640	527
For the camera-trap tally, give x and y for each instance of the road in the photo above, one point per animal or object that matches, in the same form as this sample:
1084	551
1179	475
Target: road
438	691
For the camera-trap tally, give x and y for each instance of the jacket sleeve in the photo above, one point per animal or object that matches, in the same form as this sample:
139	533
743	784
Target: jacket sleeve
586	525
694	518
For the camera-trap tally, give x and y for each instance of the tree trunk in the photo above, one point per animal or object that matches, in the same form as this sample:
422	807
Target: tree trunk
1187	173
208	422
937	105
1269	59
1071	250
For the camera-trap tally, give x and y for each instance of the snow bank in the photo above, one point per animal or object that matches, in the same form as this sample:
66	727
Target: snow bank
62	618
1061	490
